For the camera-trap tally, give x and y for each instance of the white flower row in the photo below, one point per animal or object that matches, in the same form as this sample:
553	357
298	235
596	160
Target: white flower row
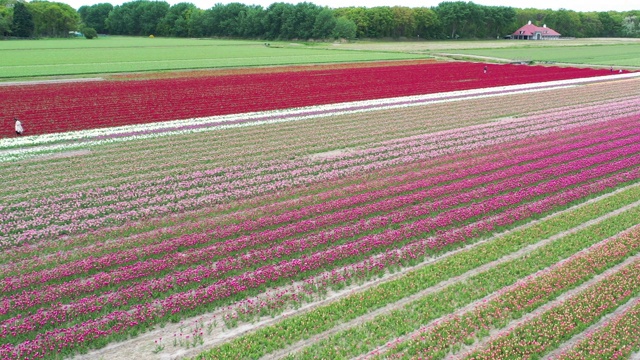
18	148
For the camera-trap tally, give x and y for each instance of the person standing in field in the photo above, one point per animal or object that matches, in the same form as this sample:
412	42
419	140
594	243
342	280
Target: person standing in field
485	69
19	129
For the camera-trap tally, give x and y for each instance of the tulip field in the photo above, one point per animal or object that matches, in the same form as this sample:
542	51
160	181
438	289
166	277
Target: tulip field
52	108
423	210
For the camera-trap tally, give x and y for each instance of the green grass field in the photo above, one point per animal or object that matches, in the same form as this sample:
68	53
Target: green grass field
32	58
82	57
617	55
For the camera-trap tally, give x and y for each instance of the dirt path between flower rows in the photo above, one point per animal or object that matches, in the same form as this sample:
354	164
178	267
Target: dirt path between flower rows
497	333
51	81
472	306
440	286
143	347
567	345
451	55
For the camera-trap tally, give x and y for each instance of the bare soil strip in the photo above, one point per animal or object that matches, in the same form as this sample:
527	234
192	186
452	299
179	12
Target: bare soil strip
144	346
263	69
43	82
566	346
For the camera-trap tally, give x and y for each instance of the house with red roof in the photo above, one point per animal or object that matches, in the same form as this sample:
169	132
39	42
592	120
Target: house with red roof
532	32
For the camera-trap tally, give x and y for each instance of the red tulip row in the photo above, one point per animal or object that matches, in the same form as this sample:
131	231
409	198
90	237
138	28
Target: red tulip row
55	108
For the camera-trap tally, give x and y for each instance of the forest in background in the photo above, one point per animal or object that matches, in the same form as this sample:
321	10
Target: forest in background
303	21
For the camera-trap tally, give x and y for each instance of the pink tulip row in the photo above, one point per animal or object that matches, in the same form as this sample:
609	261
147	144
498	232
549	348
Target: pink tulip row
153	266
517	151
525	296
118	206
198	201
120	321
539	335
132	179
418	249
268	236
156	198
286	269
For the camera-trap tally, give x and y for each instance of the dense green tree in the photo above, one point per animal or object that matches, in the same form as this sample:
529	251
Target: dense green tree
301	21
23	25
345	29
324	25
536	16
454	16
199	23
404	22
175	22
359	17
276	13
381	22
139	17
631	25
427	23
305	20
89	32
151	14
611	24
53	19
226	19
6	19
252	22
95	16
566	22
499	20
591	26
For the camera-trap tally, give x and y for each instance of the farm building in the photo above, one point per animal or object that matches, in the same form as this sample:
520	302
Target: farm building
533	32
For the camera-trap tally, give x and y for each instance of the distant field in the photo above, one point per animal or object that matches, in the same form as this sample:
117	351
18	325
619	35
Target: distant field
596	51
81	57
617	55
123	54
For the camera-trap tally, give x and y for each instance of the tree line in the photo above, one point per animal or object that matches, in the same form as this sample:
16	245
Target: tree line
303	21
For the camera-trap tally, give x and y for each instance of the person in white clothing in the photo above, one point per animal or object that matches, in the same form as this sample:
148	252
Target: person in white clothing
19	129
